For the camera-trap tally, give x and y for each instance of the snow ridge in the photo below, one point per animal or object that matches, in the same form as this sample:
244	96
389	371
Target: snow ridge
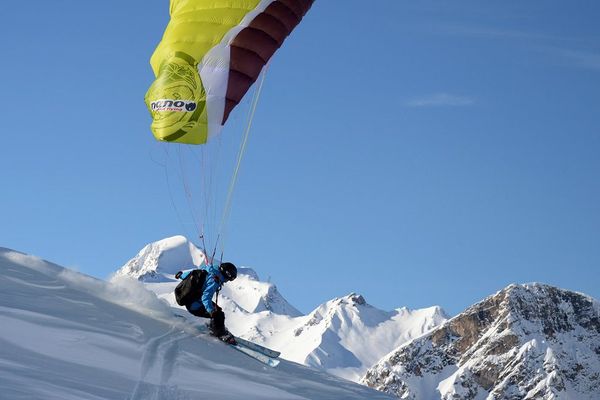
348	335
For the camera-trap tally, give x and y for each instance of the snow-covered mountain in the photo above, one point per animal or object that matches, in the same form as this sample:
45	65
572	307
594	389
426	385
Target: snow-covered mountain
157	263
165	257
344	336
524	342
65	335
347	335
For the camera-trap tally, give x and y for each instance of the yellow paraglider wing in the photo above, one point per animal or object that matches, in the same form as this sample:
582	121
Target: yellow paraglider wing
212	51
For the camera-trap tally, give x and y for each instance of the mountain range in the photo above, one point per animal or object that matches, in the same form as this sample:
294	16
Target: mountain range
530	341
65	335
343	336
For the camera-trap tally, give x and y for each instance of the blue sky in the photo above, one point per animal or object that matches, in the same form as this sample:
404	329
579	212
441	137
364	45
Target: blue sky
418	153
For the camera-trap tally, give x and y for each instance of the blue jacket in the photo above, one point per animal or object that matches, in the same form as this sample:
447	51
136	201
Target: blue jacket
213	282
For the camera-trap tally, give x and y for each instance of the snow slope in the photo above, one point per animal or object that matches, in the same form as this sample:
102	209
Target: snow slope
64	335
344	336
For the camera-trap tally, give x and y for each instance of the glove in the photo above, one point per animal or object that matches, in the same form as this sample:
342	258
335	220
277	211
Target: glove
216	311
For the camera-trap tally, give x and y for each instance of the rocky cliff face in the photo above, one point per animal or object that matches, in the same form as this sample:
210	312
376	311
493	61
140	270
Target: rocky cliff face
525	342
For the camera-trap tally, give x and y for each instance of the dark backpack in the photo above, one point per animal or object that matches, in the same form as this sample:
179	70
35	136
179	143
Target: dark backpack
189	290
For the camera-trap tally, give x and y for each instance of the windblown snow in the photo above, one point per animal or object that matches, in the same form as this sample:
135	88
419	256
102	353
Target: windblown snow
344	336
67	336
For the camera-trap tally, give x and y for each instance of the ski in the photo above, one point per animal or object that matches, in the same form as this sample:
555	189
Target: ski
270	361
257	347
256	351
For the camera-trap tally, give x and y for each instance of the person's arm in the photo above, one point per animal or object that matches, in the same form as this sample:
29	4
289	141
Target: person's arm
209	291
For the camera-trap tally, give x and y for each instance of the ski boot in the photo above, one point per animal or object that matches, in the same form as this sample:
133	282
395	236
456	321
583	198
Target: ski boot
228	338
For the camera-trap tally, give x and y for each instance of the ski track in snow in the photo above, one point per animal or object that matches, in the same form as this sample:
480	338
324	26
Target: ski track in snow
160	355
31	284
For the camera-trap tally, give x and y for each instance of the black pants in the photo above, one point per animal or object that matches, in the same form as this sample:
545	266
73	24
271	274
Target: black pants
217	320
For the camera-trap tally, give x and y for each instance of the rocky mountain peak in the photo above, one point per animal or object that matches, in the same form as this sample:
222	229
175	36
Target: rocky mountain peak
352	300
523	341
556	310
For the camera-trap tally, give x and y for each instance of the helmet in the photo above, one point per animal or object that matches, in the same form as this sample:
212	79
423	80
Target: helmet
228	270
